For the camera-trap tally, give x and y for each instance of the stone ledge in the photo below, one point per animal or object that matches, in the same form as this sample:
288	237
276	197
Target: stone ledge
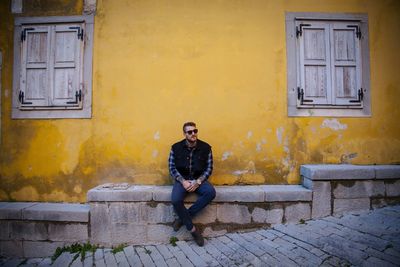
44	211
248	194
13	210
349	172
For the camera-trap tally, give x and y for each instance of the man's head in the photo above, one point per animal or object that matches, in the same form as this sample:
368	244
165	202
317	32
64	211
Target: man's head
190	131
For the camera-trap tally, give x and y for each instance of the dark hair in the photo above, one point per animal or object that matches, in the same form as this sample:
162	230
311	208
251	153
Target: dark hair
189	123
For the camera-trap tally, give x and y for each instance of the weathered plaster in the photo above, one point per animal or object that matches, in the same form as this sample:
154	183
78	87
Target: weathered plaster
219	63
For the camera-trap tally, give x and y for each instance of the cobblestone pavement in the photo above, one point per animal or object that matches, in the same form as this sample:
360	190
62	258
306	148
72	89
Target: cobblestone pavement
368	239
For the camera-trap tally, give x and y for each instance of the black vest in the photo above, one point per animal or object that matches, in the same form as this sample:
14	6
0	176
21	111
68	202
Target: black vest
199	158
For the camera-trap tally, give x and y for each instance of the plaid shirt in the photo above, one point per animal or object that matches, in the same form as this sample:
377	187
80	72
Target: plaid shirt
178	177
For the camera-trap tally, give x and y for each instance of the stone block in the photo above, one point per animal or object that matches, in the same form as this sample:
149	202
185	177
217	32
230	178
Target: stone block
25	230
74	232
57	212
207	215
233	213
13	210
39	249
337	172
160	233
100	224
11	248
153	213
359	189
5	233
321	204
124	212
285	193
295	212
342	206
392	188
387	172
307	183
270	216
131	193
162	193
128	233
239	194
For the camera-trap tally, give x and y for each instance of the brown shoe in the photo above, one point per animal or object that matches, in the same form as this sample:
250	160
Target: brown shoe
198	238
177	224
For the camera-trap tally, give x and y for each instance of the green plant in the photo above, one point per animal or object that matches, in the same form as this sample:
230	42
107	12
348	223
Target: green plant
173	240
118	248
147	251
79	249
302	221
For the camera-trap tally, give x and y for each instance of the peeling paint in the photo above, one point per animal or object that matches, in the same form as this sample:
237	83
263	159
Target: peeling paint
157	136
279	133
249	134
258	146
226	155
155	153
333	124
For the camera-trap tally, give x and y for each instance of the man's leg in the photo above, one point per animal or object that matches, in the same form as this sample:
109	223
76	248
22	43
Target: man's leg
206	194
178	195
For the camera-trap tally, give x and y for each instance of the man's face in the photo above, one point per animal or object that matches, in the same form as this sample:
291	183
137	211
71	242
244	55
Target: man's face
190	134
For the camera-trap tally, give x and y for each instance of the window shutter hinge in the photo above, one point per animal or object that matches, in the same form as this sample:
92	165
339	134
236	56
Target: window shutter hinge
360	97
79	32
300	96
358	30
23	33
299	29
78	97
21	99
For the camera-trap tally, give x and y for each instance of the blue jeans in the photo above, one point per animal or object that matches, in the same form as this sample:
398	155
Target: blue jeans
205	192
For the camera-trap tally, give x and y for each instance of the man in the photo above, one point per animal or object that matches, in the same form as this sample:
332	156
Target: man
190	164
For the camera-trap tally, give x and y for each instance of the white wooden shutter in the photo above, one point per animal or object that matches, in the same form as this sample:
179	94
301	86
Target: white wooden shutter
35	66
67	65
346	63
314	61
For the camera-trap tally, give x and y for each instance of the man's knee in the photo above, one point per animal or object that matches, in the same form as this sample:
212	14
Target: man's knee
210	193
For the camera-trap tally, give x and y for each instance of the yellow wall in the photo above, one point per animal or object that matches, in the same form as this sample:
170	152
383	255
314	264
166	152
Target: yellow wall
221	64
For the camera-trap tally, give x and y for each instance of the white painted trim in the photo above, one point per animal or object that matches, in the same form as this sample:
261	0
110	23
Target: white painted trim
292	71
86	111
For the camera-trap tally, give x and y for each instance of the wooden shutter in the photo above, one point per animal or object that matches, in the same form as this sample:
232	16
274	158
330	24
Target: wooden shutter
314	61
67	65
35	61
346	63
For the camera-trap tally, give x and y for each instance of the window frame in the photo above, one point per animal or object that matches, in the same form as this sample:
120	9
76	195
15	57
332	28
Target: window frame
20	112
294	110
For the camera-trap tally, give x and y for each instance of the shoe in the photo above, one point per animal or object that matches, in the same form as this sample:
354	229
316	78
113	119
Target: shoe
198	238
177	224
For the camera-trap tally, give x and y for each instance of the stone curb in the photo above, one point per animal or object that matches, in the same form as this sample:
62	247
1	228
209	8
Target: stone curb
246	194
44	211
349	172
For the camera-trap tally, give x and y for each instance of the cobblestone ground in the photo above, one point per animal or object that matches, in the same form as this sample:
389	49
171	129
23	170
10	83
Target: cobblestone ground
367	239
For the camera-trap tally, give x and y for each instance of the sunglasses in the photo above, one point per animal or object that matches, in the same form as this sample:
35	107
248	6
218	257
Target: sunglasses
192	131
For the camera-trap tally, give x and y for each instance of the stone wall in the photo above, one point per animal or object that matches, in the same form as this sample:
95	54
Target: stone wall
143	214
339	189
134	214
36	229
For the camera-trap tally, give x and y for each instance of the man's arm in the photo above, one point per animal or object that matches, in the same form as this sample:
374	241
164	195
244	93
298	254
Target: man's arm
207	173
172	169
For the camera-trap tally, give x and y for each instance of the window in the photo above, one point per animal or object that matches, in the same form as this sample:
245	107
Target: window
53	67
328	65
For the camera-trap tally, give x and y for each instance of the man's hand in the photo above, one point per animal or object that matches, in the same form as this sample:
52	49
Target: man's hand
186	184
193	187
